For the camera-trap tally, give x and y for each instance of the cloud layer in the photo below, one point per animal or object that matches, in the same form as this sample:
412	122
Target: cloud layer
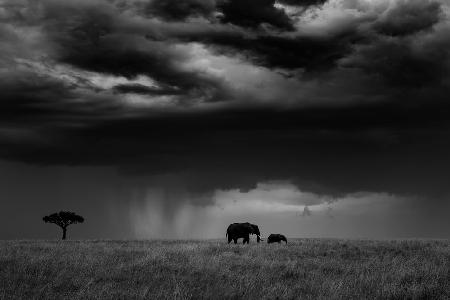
268	89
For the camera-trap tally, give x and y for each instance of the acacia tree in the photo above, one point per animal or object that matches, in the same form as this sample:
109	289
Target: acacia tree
63	219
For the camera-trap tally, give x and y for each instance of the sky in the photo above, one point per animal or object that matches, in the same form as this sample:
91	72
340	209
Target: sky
172	119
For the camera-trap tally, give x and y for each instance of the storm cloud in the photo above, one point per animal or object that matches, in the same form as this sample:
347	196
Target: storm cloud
335	97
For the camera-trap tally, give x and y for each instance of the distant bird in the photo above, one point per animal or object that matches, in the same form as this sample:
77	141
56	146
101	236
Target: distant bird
63	219
276	238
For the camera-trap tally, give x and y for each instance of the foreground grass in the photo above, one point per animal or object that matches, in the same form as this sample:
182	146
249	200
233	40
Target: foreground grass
306	268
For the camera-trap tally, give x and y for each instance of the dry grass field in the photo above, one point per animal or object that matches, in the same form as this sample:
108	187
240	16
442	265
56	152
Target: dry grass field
304	268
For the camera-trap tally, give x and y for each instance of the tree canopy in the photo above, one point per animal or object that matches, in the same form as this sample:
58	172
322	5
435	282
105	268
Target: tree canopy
63	219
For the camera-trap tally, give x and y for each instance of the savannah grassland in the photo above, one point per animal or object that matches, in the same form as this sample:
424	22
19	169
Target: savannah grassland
302	269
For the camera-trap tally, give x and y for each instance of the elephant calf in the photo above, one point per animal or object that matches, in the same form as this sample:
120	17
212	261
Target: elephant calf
273	238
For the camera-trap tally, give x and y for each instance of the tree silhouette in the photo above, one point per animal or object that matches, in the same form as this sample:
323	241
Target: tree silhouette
63	219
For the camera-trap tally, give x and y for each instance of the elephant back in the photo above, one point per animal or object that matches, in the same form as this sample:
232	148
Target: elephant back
239	228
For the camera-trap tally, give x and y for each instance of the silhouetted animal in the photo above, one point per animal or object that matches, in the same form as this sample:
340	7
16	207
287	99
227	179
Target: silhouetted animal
274	238
242	230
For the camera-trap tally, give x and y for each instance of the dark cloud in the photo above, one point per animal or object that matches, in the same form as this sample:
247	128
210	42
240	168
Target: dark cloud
180	10
129	56
93	36
404	63
311	54
43	102
400	66
25	96
396	59
376	94
253	13
302	2
344	150
146	90
409	17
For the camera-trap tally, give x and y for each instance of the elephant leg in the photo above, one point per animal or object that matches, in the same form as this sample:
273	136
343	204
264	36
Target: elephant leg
229	239
235	241
247	239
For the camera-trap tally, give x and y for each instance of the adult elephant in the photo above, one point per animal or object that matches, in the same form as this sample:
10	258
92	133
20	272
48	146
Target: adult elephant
242	230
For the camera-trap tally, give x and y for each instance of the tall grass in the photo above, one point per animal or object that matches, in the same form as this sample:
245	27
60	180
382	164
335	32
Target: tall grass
304	268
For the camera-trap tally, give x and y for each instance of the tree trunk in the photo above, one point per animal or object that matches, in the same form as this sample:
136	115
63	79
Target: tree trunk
64	233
